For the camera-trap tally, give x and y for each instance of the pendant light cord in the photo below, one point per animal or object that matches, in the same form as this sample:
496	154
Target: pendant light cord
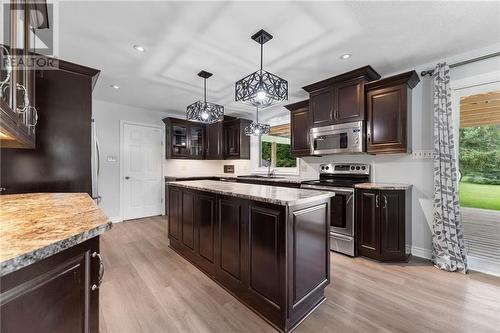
261	54
257	115
205	90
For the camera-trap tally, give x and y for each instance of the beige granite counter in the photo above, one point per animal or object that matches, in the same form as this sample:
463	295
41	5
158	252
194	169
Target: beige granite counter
383	186
35	226
265	193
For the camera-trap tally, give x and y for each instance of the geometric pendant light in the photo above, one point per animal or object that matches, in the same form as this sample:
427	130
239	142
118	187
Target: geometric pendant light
256	128
261	88
203	111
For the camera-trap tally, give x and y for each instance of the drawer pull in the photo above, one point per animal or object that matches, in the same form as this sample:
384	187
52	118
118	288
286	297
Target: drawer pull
101	271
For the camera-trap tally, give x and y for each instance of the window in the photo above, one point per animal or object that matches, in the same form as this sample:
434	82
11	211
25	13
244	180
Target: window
276	148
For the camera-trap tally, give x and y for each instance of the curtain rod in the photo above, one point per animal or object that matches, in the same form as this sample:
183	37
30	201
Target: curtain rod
430	71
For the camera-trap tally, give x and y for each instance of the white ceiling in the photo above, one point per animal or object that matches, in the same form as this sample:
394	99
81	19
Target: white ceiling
182	38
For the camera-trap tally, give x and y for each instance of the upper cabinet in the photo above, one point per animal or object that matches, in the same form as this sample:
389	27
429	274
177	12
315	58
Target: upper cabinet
184	139
236	142
18	115
388	105
299	128
217	141
214	142
339	99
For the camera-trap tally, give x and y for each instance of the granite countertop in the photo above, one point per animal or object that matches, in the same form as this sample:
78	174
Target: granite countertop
272	194
35	226
383	186
277	179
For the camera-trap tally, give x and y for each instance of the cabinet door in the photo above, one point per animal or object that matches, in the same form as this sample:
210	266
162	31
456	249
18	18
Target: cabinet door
187	224
174	201
386	128
179	140
196	142
350	104
232	140
368	223
231	216
266	257
53	295
214	142
321	106
299	122
205	216
392	224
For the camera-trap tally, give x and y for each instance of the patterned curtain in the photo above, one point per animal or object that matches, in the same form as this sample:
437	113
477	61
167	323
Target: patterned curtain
448	248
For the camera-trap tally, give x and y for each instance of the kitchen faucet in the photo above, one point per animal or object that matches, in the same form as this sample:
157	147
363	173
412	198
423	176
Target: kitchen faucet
270	173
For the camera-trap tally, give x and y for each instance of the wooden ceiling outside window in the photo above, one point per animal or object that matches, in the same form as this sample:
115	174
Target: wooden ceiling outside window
480	109
281	130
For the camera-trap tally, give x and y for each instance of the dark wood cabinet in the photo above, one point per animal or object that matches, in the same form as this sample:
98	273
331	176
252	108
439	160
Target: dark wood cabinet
236	142
384	224
18	114
221	140
64	102
388	105
349	100
322	107
339	99
184	139
214	141
55	294
273	258
299	128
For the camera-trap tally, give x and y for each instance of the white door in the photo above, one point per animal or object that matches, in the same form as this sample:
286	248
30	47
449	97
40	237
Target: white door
142	174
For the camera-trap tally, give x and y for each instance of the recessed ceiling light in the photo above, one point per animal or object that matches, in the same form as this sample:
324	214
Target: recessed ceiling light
345	56
114	86
139	48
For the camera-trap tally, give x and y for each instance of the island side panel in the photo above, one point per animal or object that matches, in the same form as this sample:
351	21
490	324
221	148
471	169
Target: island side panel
308	258
266	273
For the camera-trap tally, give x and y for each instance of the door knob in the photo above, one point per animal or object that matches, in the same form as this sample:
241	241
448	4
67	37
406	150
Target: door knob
127	177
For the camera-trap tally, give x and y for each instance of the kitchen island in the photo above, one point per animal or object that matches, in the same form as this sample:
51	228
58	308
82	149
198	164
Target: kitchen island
267	245
50	263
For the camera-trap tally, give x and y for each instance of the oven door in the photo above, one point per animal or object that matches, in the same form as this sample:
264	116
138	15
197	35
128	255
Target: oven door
342	208
342	211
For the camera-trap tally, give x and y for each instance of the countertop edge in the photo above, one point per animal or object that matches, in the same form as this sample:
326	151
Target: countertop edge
383	186
14	264
250	197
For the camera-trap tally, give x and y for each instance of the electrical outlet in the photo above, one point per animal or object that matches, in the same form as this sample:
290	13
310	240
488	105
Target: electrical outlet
422	154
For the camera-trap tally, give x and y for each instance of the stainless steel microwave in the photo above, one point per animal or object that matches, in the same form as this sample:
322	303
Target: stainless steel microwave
337	139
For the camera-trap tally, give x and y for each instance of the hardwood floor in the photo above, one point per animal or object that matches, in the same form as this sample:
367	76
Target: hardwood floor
147	287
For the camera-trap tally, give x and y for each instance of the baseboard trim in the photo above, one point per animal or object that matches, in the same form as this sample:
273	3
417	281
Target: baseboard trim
483	265
421	252
116	219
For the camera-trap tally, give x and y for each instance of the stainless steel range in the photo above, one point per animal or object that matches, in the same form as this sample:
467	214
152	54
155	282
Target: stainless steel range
341	178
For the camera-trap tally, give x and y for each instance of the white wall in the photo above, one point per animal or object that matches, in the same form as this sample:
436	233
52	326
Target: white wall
107	118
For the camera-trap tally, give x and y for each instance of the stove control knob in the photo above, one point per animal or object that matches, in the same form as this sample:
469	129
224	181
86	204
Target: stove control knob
363	168
352	167
327	167
357	168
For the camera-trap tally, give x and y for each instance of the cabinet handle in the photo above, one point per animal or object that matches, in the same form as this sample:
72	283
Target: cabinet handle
35	116
369	136
376	201
101	271
385	202
26	102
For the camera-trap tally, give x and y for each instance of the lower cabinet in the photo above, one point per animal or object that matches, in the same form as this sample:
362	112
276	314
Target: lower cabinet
55	294
273	258
384	224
